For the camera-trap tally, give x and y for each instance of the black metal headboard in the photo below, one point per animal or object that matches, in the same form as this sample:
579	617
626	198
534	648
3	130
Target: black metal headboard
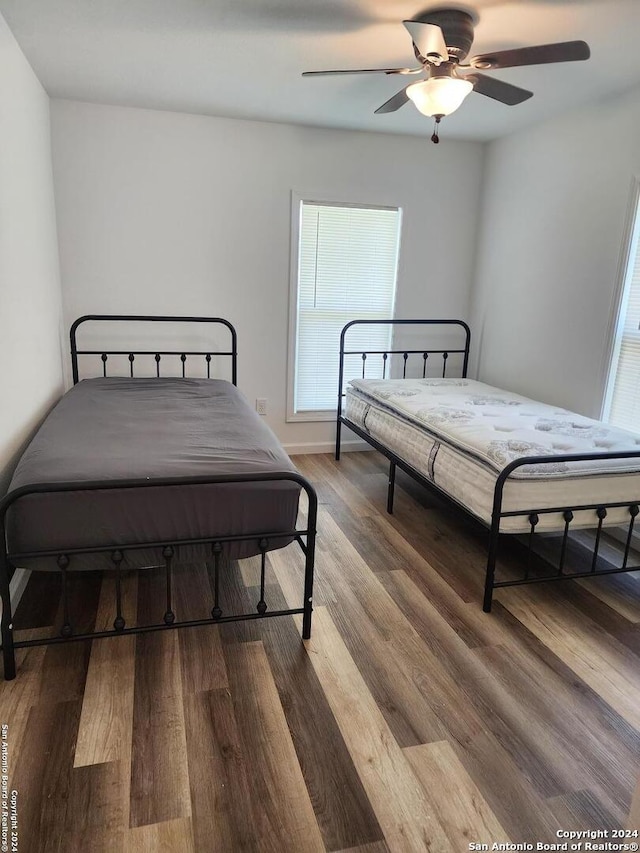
157	354
405	353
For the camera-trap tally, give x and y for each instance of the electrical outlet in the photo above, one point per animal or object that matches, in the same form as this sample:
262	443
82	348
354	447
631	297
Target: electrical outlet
261	405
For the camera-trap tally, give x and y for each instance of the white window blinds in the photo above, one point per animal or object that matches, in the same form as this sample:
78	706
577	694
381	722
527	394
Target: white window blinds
624	381
347	267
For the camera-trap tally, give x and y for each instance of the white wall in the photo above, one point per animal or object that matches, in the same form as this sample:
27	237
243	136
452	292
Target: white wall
555	203
30	299
161	212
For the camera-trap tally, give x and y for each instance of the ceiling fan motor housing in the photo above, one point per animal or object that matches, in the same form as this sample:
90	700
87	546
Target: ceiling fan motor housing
457	28
445	69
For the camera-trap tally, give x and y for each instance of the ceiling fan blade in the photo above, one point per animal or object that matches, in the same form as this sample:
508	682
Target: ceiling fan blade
428	40
498	89
393	104
364	71
564	51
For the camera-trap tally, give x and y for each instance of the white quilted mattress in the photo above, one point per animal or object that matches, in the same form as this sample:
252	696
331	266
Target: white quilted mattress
459	434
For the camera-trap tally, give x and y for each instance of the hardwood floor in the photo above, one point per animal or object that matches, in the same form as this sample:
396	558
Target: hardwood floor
411	720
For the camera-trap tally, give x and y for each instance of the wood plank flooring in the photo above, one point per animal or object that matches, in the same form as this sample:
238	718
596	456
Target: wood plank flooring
411	721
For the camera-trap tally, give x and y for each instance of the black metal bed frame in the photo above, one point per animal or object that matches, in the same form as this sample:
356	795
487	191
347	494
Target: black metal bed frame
157	354
532	514
305	537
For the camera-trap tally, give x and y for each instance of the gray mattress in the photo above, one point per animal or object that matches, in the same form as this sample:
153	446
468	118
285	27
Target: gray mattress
113	429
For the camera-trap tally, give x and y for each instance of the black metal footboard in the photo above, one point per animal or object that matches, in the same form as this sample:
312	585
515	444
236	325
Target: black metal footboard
532	516
266	540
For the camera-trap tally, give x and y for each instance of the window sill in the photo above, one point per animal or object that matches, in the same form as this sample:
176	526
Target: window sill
309	417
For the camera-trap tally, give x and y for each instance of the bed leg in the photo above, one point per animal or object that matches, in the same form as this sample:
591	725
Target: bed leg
169	616
8	653
488	591
216	612
338	432
309	562
491	569
308	586
392	486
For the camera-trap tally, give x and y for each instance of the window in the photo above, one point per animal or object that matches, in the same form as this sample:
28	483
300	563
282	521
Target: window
345	268
622	402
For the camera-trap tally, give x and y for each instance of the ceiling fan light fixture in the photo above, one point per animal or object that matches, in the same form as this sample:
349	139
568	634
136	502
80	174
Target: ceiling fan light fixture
439	96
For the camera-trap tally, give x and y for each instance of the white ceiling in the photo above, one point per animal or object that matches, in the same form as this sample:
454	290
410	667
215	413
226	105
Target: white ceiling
243	58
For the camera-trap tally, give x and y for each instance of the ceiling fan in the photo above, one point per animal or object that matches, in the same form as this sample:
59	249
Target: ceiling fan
442	39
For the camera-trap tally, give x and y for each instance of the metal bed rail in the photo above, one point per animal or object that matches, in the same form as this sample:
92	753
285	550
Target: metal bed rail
305	538
599	510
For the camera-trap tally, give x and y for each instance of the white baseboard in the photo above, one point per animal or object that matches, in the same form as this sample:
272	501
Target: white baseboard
17	586
325	447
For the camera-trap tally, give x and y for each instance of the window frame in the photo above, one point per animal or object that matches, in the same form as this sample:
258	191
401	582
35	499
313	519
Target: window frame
335	199
629	250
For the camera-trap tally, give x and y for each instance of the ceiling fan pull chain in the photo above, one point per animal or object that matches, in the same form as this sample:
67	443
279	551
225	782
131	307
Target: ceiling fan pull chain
435	138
